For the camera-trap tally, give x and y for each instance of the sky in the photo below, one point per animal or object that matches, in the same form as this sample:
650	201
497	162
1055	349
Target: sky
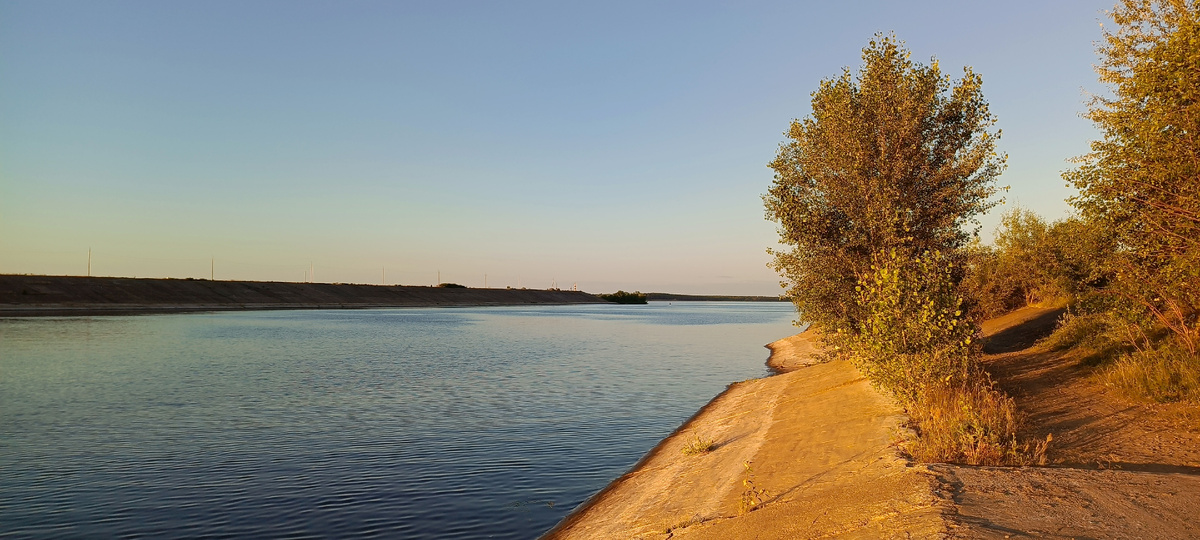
605	145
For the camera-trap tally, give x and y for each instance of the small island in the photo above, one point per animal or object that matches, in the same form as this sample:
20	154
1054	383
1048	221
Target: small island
622	297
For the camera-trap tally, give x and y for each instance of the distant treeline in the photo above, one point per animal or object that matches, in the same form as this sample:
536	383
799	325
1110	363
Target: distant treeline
671	297
53	295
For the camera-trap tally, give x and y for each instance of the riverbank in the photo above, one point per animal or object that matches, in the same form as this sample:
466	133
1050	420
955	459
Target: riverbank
805	453
811	453
25	295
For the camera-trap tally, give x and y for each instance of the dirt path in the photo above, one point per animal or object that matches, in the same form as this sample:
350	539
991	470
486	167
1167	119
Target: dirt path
1118	469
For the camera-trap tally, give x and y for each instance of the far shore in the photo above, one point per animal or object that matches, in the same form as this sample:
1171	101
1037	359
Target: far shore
23	295
28	295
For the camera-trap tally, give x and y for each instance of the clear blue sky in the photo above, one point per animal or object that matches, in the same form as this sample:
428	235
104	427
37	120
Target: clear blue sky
612	144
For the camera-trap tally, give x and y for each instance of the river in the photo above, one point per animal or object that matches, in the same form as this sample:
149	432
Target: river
414	423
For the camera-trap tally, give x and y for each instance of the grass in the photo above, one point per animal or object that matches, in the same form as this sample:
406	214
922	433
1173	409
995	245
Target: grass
1162	371
696	446
1094	337
1165	374
682	523
974	423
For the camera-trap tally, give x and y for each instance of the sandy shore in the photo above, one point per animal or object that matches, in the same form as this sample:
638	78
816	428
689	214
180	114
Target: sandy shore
812	448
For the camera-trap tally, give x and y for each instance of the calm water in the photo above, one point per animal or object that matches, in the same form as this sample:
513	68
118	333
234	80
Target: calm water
412	423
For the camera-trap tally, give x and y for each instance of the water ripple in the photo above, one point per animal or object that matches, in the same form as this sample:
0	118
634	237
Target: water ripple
465	423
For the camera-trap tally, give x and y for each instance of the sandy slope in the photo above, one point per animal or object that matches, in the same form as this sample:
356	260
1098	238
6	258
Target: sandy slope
818	443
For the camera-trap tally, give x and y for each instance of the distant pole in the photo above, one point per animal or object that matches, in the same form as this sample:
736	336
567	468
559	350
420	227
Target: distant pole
384	281
439	278
212	269
89	262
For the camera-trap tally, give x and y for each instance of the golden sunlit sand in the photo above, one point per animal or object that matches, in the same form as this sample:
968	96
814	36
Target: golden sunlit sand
818	441
812	453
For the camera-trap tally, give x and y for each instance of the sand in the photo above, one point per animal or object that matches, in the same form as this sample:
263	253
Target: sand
815	444
814	448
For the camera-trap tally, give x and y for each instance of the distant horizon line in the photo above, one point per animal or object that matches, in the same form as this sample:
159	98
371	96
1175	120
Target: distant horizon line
671	294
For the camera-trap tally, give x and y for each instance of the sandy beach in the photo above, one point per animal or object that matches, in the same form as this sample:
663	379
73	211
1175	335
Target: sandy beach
811	453
811	448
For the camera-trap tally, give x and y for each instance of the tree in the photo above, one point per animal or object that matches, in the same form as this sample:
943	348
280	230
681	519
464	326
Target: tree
1142	179
896	161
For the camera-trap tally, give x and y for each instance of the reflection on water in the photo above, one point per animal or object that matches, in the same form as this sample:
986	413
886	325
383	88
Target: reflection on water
481	422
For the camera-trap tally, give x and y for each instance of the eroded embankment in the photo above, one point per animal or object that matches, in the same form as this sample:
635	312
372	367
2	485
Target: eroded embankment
813	443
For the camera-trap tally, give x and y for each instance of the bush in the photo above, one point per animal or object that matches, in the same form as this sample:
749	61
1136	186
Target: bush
987	286
622	297
916	342
451	286
1034	262
913	334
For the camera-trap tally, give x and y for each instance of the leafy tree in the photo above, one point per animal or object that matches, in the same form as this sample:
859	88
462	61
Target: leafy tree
1023	246
1142	179
894	160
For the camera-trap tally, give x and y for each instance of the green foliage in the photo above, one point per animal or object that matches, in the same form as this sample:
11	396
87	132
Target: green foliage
622	297
913	334
1036	262
451	286
1142	179
895	158
696	446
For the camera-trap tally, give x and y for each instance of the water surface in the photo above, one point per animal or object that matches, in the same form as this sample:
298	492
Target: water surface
413	423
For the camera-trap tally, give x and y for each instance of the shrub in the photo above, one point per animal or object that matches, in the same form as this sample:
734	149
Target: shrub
696	446
913	333
622	297
451	286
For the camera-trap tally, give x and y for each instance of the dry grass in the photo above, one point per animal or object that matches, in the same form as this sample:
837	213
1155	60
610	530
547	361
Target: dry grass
682	523
1166	374
697	445
1096	338
975	424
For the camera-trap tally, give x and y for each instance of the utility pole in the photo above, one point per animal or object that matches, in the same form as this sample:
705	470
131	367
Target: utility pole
89	262
384	280
212	269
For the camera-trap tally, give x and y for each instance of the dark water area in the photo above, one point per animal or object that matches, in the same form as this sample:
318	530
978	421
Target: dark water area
397	423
